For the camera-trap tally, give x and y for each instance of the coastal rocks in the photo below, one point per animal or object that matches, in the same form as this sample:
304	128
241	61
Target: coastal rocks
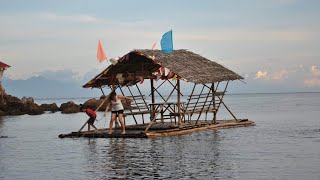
94	104
69	107
2	113
11	103
13	106
15	112
50	107
32	109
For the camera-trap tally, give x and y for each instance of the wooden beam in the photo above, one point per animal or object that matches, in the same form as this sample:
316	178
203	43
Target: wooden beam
152	96
214	103
185	108
228	109
152	91
204	104
179	104
102	91
155	116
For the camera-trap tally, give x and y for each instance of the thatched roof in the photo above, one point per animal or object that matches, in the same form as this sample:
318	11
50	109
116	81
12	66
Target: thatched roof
187	65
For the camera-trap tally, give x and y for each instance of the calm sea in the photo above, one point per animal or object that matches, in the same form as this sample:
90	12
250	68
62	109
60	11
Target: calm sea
285	144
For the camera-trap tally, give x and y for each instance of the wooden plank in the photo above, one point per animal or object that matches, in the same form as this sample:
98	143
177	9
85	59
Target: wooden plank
178	98
176	132
136	113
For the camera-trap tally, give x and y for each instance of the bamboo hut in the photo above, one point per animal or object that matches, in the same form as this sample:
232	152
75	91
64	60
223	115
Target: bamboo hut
160	115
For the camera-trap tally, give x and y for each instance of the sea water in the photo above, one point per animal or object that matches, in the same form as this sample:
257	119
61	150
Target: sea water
285	144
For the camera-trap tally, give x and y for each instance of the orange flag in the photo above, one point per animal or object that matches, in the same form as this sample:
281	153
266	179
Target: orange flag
101	55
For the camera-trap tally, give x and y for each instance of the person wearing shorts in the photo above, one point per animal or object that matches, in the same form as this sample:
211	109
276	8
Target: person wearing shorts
92	117
117	110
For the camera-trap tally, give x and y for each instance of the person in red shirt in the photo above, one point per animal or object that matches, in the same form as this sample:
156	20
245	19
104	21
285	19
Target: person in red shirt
92	117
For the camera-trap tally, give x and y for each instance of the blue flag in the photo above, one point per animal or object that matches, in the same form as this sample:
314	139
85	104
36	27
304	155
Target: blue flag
166	43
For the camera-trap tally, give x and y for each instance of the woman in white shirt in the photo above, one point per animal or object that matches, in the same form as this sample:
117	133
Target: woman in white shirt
117	110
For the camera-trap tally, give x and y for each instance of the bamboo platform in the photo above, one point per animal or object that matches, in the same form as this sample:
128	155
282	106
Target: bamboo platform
159	129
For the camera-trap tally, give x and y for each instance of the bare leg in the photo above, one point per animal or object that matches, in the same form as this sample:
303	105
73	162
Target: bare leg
94	126
113	118
120	117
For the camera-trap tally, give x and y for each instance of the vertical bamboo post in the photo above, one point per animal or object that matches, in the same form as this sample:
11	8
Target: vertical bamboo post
152	91
102	91
152	98
179	103
214	103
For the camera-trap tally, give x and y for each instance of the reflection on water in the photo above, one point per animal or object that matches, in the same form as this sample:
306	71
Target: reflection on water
284	145
170	157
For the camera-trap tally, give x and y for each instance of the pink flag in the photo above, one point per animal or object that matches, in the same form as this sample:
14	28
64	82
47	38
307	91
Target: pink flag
101	55
154	45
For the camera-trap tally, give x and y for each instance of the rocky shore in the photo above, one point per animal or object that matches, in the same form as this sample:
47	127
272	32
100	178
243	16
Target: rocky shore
13	106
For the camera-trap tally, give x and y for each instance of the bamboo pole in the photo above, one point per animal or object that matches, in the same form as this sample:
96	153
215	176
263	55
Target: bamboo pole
179	103
224	91
214	104
186	107
228	109
152	91
95	111
102	91
155	116
204	104
152	96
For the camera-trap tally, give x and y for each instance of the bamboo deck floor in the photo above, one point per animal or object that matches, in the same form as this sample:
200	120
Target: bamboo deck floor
159	129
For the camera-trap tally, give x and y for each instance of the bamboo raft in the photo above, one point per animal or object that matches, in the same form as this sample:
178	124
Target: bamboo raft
159	113
159	130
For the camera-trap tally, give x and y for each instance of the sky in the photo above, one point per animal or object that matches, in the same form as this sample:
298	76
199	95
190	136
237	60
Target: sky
273	44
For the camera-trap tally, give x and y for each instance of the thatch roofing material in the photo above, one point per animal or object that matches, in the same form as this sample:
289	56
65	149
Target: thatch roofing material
188	65
192	67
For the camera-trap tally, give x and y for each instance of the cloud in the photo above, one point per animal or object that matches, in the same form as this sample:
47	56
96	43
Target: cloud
314	77
315	72
261	75
280	75
312	82
275	76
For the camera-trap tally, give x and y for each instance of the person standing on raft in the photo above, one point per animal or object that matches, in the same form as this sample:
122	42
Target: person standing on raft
116	110
92	117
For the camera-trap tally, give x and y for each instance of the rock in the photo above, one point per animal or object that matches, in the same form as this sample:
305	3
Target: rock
15	112
91	103
69	107
50	107
33	109
11	103
94	104
70	110
2	113
26	100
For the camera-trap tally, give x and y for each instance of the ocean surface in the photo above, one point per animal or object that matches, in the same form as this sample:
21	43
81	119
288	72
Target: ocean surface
285	144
